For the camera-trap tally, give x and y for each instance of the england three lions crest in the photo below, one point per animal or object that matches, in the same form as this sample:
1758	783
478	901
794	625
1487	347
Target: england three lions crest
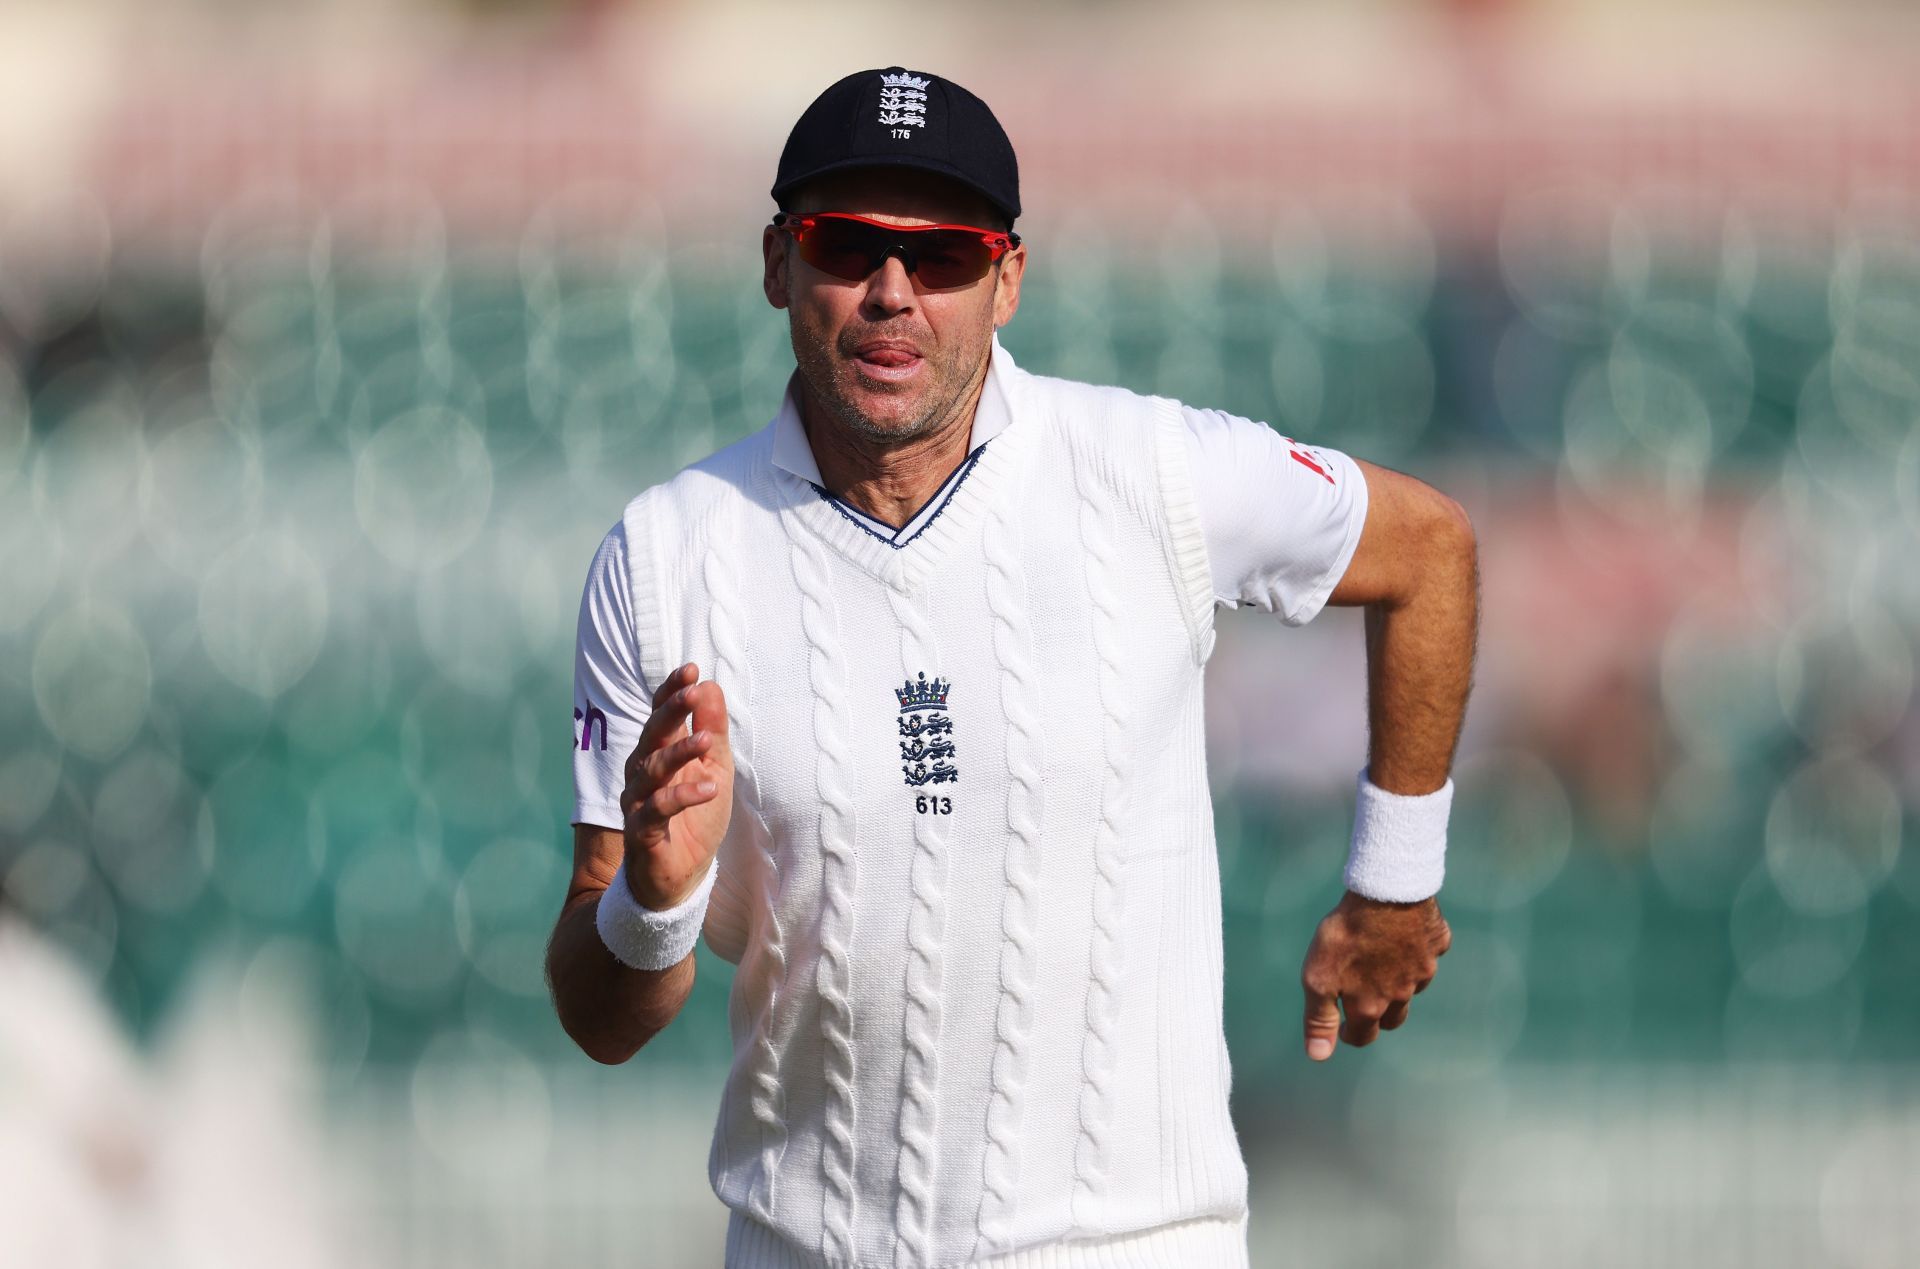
903	103
926	732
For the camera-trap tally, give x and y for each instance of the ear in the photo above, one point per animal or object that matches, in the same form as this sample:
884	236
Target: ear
774	245
1006	287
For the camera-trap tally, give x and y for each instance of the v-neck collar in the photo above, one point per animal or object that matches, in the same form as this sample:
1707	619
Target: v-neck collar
908	559
906	533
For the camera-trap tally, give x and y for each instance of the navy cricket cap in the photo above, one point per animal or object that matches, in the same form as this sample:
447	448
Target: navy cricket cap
901	118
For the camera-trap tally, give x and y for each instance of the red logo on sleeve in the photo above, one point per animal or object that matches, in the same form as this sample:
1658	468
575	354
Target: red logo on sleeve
1304	461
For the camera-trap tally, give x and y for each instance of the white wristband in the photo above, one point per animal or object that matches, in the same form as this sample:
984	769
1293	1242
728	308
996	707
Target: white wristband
641	937
1399	848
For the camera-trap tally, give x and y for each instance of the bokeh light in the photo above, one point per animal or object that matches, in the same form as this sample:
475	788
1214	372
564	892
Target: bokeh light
92	678
422	485
263	612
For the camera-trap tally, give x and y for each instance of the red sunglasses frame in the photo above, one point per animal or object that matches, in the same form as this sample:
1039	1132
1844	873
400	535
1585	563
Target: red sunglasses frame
998	242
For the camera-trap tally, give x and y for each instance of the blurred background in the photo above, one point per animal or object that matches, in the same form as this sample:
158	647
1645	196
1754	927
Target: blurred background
334	335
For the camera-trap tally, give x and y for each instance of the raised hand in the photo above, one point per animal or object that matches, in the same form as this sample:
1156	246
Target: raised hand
679	795
1372	958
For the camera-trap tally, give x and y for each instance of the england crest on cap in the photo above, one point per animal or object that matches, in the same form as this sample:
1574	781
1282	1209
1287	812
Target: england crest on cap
903	102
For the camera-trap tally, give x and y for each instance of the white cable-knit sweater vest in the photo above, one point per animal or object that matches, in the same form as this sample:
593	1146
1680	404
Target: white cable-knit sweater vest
971	883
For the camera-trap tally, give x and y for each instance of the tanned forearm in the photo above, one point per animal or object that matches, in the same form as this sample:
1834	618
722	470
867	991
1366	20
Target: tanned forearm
609	1009
1420	656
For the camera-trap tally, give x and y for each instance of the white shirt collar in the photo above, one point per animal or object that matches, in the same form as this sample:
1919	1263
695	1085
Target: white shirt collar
793	453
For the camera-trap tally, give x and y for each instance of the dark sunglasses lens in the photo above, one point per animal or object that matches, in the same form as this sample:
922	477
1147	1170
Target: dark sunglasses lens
851	250
947	257
843	248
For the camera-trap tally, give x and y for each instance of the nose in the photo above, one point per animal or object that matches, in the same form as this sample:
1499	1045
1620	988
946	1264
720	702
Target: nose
889	289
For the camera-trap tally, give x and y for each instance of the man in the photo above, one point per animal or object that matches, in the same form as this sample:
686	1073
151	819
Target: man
943	797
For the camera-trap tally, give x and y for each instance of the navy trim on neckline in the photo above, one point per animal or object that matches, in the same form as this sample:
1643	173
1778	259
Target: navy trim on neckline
943	495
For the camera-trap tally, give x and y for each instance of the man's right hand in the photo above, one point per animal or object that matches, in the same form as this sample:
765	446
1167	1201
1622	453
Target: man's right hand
679	795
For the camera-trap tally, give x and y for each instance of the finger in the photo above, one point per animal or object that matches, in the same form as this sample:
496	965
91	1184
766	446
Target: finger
1322	1024
709	708
1363	1020
653	811
670	686
660	766
667	723
1395	1015
676	679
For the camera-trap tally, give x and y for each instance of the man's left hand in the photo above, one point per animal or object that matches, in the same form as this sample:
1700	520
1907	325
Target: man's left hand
1372	958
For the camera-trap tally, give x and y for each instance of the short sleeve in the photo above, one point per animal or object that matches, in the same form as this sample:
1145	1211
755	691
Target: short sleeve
610	699
1281	518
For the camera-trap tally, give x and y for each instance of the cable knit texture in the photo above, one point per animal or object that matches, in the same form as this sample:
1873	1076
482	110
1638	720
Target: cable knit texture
833	785
977	1011
731	665
1008	604
926	929
1107	962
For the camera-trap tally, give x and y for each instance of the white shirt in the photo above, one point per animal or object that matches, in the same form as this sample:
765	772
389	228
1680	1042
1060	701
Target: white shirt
1038	943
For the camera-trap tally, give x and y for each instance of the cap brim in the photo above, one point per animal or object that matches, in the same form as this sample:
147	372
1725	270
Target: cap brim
905	160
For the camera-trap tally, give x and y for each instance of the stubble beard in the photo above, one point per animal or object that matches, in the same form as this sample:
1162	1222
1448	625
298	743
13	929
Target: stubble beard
820	365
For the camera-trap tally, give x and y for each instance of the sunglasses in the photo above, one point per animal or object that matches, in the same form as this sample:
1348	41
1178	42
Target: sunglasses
851	247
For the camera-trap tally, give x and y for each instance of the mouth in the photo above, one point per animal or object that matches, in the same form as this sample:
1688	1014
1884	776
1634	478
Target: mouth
888	362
